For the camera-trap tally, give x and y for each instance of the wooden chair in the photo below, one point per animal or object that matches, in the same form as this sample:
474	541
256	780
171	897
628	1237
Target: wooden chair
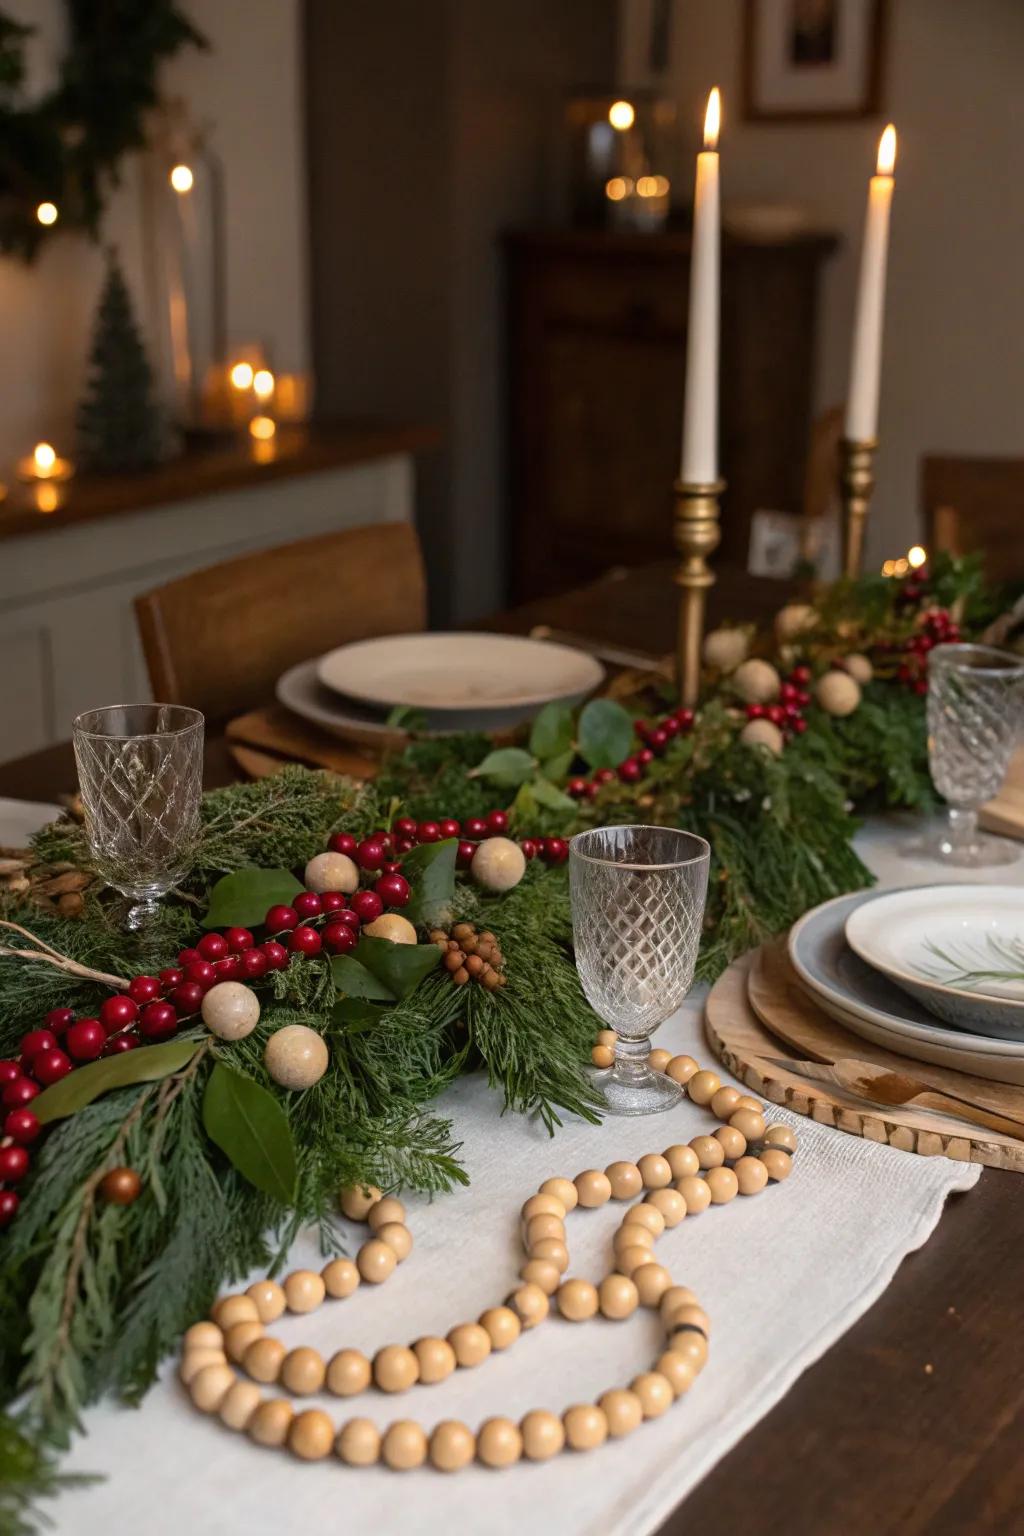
976	504
220	638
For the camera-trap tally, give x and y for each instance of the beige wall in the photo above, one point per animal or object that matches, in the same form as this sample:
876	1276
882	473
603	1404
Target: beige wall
953	371
247	87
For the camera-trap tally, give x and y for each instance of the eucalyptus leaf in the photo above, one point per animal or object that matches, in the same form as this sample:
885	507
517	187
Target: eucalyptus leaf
148	1064
242	899
430	870
550	796
353	978
248	1124
399	967
508	767
551	734
555	769
605	733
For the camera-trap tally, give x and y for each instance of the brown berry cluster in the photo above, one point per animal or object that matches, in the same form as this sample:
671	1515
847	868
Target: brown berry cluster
471	956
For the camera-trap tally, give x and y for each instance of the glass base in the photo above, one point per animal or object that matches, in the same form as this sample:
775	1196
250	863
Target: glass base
136	915
980	853
632	1090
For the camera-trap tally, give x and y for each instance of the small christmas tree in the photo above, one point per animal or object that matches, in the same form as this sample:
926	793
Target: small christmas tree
119	425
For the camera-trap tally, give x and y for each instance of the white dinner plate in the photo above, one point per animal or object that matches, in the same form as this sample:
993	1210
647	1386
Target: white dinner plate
499	678
930	938
19	819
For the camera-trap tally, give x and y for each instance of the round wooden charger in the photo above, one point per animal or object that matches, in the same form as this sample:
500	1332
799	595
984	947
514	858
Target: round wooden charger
744	1046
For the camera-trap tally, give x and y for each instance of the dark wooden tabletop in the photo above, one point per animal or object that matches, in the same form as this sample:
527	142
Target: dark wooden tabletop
914	1421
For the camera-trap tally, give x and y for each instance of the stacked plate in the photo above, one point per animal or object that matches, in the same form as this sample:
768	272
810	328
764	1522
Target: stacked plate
453	682
933	972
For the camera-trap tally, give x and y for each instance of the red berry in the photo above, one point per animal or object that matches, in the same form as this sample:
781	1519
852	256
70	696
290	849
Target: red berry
280	918
555	850
686	718
213	946
630	771
202	972
304	941
776	713
577	788
383	836
118	1044
640	729
349	918
228	969
23	1090
277	955
343	842
474	827
393	890
392	867
645	756
787	693
604	775
308	904
239	940
186	999
339	938
117	1013
143	989
86	1039
171	978
755	711
22	1126
404	826
369	855
464	856
428	832
367	906
38	1040
58	1019
801	675
188	957
593	790
54	1065
404	844
449	827
9	1072
13	1164
658	741
798	726
529	847
254	964
670	726
9	1203
904	674
158	1022
497	822
332	901
803	698
921	686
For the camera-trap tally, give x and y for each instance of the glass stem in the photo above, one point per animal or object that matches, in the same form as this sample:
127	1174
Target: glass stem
963	827
631	1057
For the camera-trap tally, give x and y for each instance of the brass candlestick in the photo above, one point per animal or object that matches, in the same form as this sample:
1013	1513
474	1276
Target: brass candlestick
856	483
696	535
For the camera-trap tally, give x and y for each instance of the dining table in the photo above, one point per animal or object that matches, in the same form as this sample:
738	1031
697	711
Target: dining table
913	1419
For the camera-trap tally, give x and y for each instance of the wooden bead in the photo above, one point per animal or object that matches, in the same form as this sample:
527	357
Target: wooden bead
530	1304
304	1290
303	1371
751	1175
543	1273
618	1297
682	1161
692	1316
593	1188
749	1124
693	1346
397	1237
632	1235
499	1443
452	1446
655	1393
630	1259
722	1185
602	1057
732	1142
395	1368
501	1325
658	1060
471	1344
607	1037
703	1086
585	1426
778	1164
358	1443
269	1298
543	1435
340	1277
271	1422
435	1358
746	1102
203	1336
670	1203
680	1069
311	1435
710	1153
651	1281
210	1386
239	1404
238	1338
404	1445
543	1205
695	1192
577	1300
675	1297
376	1261
780	1136
655	1171
540	1227
355	1201
230	1010
623	1411
348	1373
625	1179
331	872
677	1370
384	1211
263	1359
646	1215
563	1190
234	1309
551	1249
196	1360
296	1057
724	1102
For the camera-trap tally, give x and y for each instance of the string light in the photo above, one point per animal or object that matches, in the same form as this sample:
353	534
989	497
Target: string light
242	376
263	384
916	556
46	213
618	188
182	179
621	115
262	428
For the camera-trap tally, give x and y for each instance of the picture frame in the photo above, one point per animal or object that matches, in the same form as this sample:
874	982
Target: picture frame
812	60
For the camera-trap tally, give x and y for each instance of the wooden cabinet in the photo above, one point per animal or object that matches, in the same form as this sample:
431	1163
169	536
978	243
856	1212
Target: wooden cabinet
597	338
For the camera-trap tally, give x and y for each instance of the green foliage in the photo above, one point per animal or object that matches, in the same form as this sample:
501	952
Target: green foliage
119	423
508	767
251	1129
80	1087
245	897
605	733
552	732
430	868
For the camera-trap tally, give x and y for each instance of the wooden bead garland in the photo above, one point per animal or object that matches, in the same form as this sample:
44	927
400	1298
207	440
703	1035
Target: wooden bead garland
740	1158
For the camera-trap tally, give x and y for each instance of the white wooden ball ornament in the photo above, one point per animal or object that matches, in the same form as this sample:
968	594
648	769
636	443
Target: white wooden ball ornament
331	872
837	693
794	620
296	1056
231	1010
859	668
498	864
726	648
762	733
756	681
392	926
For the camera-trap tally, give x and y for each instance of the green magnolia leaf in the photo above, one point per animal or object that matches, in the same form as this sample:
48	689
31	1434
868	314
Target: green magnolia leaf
242	899
356	1017
555	769
248	1124
146	1065
352	978
550	796
524	806
605	733
552	731
430	870
509	767
399	967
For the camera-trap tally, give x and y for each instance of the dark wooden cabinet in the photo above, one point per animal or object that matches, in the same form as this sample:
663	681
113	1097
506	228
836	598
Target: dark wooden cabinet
597	337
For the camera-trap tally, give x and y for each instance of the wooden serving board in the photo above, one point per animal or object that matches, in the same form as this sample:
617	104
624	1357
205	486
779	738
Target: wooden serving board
743	1044
264	739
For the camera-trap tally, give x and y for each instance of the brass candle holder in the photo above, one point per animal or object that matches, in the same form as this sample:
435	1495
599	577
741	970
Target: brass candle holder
696	534
856	483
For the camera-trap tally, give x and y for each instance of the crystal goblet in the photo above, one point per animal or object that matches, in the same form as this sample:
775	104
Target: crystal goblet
140	772
637	911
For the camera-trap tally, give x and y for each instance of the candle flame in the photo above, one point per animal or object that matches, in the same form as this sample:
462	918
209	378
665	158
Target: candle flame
263	384
917	556
713	119
242	376
45	457
887	152
622	115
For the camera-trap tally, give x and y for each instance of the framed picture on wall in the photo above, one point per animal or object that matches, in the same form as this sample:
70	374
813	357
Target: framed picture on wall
810	60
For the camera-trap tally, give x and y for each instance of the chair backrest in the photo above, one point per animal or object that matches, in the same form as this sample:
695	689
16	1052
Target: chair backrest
976	504
220	638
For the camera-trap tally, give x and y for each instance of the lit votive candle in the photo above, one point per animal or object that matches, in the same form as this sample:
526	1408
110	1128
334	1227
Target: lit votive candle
47	474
